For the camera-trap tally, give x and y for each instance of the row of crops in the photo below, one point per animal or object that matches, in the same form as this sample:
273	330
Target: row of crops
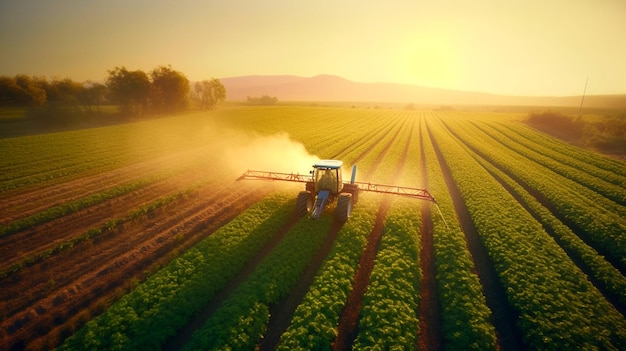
554	298
528	239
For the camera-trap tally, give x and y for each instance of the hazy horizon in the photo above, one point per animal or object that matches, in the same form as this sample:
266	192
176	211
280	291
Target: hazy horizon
531	48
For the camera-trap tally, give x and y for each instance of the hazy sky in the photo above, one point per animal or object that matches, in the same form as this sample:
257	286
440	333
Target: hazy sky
531	47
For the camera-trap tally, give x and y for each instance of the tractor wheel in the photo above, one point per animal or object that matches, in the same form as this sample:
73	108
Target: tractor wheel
344	207
304	203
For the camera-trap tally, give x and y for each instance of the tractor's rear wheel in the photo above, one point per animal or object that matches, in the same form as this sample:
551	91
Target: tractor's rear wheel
304	203
344	207
352	189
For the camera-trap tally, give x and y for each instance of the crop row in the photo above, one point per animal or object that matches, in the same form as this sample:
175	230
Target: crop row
324	132
106	227
559	308
64	209
610	277
388	315
242	319
574	172
315	321
52	157
575	158
389	312
602	224
588	159
465	317
257	306
373	146
157	308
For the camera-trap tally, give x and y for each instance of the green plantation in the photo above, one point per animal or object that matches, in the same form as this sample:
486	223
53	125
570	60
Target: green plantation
525	247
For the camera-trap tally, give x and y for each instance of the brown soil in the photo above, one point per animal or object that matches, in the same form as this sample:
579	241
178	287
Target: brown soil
35	240
48	301
32	199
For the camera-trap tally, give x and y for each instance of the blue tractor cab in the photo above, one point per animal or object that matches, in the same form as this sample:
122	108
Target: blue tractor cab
327	176
326	186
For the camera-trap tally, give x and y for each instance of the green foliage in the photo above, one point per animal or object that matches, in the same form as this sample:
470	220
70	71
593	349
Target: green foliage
130	90
606	135
242	320
465	316
152	312
559	308
314	324
262	100
169	91
209	93
388	316
601	220
21	91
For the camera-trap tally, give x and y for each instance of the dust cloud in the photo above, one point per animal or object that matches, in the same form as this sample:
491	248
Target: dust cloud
240	151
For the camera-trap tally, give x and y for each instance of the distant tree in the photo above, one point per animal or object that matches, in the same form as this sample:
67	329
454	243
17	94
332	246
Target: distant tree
61	92
209	93
130	90
263	100
92	95
169	91
62	106
22	91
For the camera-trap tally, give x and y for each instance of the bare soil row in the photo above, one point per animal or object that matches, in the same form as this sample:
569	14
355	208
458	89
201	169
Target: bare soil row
30	200
49	301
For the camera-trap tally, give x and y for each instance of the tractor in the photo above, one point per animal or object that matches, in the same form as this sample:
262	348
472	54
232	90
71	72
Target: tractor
325	185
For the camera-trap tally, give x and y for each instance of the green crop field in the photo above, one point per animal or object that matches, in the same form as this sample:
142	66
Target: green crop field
138	236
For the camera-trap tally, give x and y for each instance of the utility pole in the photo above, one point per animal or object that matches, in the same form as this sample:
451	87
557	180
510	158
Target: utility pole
580	109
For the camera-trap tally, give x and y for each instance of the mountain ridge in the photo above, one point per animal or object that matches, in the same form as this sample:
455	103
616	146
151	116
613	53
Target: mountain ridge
325	87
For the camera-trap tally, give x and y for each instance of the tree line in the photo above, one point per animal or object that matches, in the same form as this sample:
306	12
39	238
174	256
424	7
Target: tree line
135	93
607	134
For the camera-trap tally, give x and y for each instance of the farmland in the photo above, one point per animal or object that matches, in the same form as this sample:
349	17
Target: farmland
138	236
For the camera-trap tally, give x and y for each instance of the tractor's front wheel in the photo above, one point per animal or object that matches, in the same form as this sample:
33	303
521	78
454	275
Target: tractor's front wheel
344	207
304	203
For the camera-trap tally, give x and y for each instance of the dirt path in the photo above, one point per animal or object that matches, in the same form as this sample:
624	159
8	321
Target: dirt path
49	300
503	315
430	336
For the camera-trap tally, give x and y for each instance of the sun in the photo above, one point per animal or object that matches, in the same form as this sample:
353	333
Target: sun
432	61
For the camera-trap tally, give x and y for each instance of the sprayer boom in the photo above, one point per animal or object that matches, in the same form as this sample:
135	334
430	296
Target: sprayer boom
417	193
325	185
261	175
